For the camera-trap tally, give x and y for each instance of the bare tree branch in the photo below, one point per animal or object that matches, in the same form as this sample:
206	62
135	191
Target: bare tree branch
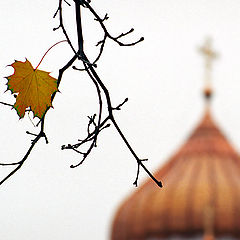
96	122
40	134
100	85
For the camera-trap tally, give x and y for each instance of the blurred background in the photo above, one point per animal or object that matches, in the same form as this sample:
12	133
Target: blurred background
163	79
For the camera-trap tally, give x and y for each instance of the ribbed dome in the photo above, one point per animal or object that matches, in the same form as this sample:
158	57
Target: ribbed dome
200	194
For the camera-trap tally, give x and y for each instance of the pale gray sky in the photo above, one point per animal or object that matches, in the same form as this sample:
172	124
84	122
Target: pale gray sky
163	79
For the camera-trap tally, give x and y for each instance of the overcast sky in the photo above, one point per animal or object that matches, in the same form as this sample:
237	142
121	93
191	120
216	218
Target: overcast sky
163	79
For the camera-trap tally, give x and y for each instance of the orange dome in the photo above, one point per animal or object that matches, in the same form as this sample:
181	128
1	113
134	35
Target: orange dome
200	194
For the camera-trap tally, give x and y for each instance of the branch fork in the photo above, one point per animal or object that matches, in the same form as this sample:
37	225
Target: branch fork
96	121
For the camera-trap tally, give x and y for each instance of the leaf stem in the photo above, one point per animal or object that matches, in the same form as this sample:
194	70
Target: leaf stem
48	51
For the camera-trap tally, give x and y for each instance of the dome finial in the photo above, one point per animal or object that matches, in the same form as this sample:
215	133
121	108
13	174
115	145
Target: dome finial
209	55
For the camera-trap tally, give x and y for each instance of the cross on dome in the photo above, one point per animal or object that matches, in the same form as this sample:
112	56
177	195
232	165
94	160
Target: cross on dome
209	55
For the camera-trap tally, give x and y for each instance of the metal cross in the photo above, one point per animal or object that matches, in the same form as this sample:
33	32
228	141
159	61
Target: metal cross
209	55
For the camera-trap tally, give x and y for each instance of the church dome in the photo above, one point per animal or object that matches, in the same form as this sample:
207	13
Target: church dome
200	197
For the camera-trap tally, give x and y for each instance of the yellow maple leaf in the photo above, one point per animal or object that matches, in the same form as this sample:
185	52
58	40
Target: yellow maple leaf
34	88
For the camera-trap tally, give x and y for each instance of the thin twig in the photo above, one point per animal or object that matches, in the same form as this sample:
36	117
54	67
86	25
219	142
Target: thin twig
100	20
61	25
100	124
90	137
120	105
102	42
99	84
97	127
6	104
41	133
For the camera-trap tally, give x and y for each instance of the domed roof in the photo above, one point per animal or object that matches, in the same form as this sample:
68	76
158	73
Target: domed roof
200	194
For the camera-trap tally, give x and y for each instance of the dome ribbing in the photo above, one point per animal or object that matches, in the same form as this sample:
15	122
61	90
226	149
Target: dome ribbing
200	194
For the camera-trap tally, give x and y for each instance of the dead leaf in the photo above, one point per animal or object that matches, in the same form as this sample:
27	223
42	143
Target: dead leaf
34	88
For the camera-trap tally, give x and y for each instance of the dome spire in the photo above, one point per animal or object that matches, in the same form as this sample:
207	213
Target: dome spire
201	194
209	55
